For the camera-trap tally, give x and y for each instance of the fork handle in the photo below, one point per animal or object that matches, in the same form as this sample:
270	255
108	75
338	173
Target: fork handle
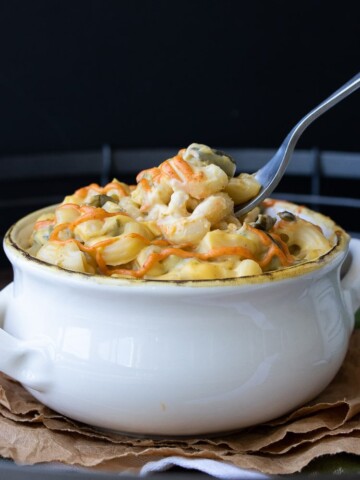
323	107
278	163
287	147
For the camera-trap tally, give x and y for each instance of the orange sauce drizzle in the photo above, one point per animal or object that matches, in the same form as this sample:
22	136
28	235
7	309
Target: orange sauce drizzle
159	256
272	248
82	192
274	245
144	182
74	206
93	214
115	186
43	223
55	233
268	202
89	213
166	169
186	170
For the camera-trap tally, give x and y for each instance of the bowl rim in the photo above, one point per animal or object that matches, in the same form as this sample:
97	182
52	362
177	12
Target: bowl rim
17	253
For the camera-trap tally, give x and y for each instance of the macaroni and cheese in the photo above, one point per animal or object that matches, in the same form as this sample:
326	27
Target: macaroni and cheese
176	223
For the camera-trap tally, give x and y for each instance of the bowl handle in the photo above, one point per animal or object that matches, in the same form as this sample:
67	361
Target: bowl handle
351	280
28	362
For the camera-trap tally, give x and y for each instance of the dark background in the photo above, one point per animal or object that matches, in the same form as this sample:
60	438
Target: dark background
78	74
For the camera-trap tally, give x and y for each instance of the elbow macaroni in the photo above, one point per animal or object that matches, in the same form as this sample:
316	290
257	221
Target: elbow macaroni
177	223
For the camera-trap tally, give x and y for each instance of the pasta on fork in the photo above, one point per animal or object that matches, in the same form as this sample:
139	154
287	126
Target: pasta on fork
176	223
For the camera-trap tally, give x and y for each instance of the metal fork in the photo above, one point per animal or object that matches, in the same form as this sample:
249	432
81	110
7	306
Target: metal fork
271	173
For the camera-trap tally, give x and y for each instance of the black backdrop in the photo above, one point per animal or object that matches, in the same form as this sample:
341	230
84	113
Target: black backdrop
76	74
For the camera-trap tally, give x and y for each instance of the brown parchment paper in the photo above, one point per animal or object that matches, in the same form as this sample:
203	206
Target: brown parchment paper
31	433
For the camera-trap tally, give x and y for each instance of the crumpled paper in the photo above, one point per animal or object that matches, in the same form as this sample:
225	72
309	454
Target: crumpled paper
31	433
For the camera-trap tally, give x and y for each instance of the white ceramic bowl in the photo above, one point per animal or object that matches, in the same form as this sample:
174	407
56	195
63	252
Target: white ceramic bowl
176	358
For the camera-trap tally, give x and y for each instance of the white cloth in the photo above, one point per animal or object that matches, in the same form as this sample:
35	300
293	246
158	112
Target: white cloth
211	467
217	469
